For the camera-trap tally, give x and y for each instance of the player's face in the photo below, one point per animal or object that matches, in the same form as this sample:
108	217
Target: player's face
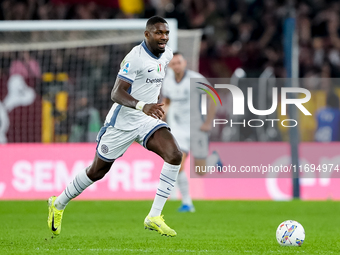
157	37
178	64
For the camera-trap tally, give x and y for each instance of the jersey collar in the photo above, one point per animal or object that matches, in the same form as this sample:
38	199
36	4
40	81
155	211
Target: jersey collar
149	52
185	73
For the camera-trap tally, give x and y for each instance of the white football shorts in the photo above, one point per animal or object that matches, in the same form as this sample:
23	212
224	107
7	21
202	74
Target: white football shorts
113	142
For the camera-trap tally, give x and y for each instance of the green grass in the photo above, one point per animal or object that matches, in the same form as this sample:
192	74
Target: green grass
218	227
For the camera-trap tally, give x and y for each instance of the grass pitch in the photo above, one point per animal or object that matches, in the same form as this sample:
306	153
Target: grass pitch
217	227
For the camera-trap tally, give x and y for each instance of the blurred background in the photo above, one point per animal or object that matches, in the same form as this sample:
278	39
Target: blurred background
71	83
55	83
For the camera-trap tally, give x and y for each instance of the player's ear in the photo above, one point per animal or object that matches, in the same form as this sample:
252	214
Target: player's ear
146	34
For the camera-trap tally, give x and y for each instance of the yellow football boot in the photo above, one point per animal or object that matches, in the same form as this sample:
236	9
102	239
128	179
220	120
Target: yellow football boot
157	223
54	217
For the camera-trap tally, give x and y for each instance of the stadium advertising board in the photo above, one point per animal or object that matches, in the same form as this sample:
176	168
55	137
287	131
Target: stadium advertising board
37	171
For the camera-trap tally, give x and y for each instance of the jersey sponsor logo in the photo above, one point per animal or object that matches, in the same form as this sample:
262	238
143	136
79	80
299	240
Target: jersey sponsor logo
126	67
156	80
104	149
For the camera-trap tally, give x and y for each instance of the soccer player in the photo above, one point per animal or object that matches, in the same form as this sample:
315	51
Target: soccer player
328	120
135	116
176	98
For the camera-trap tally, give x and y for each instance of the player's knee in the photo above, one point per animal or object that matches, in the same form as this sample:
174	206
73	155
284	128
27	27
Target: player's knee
96	174
175	157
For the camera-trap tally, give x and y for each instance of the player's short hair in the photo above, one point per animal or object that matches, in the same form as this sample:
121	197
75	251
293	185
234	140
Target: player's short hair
332	100
177	53
154	20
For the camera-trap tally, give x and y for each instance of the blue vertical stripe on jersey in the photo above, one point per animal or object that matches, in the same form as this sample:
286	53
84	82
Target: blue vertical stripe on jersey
114	115
116	111
149	52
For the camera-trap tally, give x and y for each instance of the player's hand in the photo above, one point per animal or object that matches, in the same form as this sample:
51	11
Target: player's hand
154	110
206	127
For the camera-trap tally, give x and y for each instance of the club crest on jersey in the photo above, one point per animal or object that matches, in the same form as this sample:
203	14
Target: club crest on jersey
126	67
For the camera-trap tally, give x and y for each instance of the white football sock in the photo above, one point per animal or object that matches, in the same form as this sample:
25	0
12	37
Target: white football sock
167	181
183	185
73	189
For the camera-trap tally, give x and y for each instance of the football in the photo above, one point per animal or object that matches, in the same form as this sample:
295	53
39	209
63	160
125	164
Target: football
290	233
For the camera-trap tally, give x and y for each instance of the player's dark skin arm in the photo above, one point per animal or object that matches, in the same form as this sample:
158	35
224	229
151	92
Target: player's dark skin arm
120	95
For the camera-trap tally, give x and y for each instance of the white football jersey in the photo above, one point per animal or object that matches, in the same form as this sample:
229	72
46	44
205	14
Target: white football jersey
145	72
180	96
